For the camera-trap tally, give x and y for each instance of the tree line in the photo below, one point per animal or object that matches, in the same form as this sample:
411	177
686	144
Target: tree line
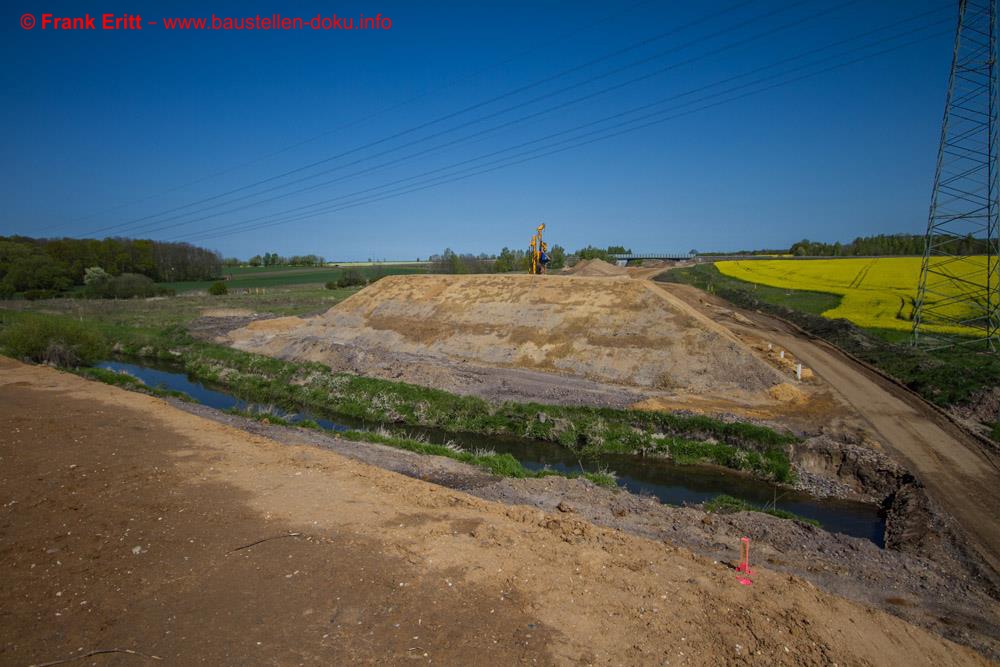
507	261
274	259
887	244
28	264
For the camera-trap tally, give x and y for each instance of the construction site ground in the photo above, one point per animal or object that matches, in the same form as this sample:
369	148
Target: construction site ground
130	525
608	336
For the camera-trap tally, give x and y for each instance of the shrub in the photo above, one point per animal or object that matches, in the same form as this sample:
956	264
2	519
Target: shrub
125	286
95	275
47	339
332	284
6	290
218	289
351	278
36	294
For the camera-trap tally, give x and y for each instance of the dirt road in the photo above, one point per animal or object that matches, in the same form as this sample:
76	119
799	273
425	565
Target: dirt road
959	474
128	524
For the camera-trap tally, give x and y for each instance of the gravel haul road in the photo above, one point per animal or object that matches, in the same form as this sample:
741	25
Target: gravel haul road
959	473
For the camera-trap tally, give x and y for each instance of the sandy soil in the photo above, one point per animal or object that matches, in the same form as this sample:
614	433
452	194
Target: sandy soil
958	471
926	576
609	330
128	524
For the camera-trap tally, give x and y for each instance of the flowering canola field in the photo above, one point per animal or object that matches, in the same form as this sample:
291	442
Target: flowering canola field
876	293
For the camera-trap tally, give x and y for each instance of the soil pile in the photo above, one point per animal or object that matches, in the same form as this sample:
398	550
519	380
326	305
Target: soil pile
596	268
614	330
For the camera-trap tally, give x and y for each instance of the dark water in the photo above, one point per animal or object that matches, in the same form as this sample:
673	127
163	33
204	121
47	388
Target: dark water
672	484
169	376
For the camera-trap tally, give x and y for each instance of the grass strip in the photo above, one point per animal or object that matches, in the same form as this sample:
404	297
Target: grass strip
502	465
587	431
724	504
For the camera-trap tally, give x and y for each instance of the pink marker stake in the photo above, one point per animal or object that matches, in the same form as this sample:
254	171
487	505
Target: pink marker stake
744	566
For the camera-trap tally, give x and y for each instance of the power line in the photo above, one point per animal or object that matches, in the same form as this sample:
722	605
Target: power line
451	115
158	225
392	163
227	230
449	84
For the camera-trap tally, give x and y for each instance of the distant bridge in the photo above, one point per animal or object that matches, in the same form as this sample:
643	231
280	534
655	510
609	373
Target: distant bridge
652	255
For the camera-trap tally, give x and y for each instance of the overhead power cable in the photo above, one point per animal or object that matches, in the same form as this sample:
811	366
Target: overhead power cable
227	230
454	114
158	225
604	21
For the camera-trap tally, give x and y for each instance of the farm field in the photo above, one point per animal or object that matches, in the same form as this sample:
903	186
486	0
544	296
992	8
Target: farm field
875	293
282	276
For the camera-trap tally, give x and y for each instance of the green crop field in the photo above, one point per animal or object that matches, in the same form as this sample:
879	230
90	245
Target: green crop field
244	277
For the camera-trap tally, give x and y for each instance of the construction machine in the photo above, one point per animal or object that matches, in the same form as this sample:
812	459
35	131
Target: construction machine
539	251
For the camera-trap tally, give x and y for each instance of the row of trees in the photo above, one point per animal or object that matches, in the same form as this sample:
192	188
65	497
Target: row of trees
886	244
604	254
274	259
506	262
57	264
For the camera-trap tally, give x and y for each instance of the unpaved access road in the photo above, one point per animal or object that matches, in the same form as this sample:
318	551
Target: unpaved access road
128	524
959	473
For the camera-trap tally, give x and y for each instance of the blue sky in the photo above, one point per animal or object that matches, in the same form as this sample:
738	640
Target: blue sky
121	132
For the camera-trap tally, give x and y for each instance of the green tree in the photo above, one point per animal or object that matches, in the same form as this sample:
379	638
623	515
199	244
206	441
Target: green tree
37	272
557	255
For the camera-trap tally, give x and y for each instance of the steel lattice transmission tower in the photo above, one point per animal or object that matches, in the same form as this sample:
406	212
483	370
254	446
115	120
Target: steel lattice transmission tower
959	291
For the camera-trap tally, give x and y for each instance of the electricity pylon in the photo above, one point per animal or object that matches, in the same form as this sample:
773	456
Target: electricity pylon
959	292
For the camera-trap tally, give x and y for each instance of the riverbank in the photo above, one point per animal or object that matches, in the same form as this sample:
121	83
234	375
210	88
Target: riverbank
477	577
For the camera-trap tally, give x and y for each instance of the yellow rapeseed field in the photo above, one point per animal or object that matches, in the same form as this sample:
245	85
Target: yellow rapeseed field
877	293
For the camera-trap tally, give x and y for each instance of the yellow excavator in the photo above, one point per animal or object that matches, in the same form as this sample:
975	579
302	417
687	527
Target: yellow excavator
539	251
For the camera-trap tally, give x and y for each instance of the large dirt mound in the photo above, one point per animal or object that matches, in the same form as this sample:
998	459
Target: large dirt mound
596	268
609	329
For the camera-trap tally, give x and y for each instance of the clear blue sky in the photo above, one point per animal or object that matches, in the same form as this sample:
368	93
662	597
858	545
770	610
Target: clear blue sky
105	128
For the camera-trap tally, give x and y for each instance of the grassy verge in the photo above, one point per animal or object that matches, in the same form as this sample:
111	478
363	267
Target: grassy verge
503	465
945	377
126	381
586	430
283	276
727	505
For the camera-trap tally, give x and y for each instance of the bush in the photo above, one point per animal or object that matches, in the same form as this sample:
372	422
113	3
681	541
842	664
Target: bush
218	289
351	278
47	339
36	294
125	286
331	284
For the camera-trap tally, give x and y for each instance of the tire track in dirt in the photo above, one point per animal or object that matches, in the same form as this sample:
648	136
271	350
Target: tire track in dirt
956	470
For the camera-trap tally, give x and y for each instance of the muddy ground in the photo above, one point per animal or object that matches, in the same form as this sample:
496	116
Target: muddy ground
127	524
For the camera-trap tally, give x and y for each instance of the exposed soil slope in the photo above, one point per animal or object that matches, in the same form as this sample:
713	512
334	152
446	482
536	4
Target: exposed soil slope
606	329
129	524
958	472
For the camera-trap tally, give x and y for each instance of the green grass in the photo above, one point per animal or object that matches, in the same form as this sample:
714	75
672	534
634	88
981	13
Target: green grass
46	338
586	430
945	377
284	276
502	465
126	381
724	504
158	329
709	279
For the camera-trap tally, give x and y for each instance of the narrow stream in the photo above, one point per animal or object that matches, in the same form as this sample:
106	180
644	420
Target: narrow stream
670	483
